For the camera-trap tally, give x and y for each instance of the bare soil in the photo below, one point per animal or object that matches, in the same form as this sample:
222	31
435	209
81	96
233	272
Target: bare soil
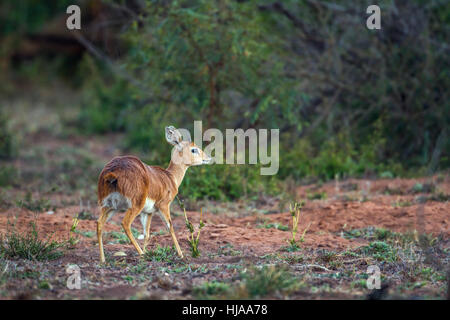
237	237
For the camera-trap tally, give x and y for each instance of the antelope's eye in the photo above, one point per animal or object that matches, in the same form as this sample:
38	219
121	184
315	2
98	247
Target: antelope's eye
194	150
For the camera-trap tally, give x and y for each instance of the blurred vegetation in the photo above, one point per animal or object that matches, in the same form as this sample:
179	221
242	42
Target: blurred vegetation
348	101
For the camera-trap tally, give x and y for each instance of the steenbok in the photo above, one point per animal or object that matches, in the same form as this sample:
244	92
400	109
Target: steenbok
127	184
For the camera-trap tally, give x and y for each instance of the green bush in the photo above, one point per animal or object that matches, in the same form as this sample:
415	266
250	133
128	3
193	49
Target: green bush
347	101
7	143
28	245
226	182
106	101
8	175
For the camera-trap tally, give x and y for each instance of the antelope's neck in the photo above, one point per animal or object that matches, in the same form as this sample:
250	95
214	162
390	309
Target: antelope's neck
178	171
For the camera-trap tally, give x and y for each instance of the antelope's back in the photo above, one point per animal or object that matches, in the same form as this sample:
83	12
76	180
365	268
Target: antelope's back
130	179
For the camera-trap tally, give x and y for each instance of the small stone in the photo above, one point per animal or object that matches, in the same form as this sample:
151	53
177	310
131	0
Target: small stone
120	254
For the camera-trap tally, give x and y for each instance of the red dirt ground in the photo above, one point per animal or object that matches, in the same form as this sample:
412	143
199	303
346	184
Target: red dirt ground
327	219
239	227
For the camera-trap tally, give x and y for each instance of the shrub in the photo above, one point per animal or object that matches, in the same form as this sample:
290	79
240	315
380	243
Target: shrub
193	241
7	175
7	142
260	282
29	246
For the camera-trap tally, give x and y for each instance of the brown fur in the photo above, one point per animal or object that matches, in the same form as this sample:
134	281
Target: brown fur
137	181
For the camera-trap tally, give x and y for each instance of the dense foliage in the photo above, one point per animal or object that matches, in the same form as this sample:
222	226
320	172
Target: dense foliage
347	100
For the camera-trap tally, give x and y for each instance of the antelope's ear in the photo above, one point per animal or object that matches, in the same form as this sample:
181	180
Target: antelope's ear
173	136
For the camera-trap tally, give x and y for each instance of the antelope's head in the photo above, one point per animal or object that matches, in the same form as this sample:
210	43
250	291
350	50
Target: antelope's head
185	152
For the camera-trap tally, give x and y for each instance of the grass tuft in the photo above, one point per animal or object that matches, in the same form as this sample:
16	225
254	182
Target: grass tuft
161	254
29	246
261	282
211	290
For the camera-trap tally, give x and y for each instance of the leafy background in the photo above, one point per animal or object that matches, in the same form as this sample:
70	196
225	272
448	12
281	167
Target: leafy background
349	102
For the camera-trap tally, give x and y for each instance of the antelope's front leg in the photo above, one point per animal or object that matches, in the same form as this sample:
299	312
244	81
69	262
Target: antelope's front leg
165	213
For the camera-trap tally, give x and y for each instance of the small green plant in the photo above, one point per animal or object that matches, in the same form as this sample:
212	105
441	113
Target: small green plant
29	246
417	188
121	237
401	203
228	250
193	241
210	290
161	254
260	282
73	240
275	225
317	196
8	175
381	251
292	259
7	140
295	211
45	285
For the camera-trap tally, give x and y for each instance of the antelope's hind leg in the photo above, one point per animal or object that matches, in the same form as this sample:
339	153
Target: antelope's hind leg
130	215
104	216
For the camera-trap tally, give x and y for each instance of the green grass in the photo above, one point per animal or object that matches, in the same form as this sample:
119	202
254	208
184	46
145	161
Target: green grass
121	237
402	203
161	254
87	234
293	259
275	225
423	188
372	233
210	290
45	285
261	282
8	175
255	283
29	246
293	247
390	237
317	196
186	268
381	251
228	250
